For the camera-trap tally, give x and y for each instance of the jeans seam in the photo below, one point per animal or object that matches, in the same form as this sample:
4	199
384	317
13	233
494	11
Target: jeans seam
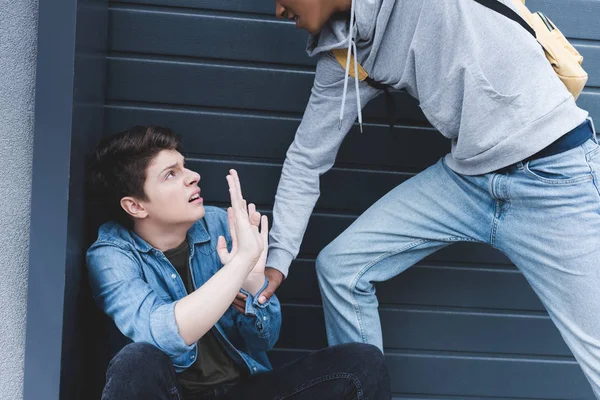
174	393
594	178
321	379
377	260
592	153
495	224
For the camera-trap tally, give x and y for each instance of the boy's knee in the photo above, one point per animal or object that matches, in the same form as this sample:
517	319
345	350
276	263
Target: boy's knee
368	359
371	369
367	352
325	262
139	358
322	261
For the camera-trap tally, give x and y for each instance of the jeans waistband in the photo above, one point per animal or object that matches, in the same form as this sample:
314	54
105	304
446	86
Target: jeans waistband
568	141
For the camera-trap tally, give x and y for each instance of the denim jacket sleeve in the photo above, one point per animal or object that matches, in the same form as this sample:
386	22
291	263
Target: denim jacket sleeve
121	292
260	324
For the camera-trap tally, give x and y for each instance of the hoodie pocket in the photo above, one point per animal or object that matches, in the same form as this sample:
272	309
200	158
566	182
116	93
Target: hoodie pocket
487	116
470	110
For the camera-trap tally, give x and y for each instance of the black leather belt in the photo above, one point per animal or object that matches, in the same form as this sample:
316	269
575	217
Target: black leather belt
568	141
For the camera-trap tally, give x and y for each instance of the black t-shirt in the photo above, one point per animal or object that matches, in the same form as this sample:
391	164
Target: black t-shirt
213	366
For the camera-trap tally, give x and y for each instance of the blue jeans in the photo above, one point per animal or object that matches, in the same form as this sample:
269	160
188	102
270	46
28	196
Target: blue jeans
544	215
354	371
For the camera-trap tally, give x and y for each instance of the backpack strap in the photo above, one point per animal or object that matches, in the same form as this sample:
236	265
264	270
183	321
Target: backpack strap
507	12
341	57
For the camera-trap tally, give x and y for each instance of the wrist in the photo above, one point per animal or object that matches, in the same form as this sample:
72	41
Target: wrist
274	275
245	259
254	282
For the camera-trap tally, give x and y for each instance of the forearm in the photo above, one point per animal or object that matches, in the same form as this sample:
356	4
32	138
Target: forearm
199	311
312	153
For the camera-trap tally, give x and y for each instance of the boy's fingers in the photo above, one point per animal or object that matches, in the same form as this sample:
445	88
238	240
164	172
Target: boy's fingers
253	215
233	194
222	247
241	296
232	230
240	309
237	202
264	227
266	294
236	179
240	302
275	278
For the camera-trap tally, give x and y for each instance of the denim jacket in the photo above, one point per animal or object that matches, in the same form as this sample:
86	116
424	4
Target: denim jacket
137	287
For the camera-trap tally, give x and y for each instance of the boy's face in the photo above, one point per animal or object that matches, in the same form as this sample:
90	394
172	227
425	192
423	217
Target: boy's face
310	15
172	191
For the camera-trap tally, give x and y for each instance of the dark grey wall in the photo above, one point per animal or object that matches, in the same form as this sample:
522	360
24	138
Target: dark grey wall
69	116
234	81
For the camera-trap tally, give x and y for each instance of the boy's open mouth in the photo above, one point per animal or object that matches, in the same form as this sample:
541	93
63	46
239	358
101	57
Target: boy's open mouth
195	197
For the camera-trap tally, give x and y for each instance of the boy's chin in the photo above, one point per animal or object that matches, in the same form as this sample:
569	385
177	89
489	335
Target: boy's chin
198	213
191	217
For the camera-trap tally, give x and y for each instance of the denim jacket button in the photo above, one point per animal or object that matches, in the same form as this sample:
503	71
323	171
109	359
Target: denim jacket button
173	276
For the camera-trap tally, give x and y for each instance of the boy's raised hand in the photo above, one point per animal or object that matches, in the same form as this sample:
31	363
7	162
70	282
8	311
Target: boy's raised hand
248	241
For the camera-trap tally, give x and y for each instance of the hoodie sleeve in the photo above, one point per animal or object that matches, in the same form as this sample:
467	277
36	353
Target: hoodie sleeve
311	154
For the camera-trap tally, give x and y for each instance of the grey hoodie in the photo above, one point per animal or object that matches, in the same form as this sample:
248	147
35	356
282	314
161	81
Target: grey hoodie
481	80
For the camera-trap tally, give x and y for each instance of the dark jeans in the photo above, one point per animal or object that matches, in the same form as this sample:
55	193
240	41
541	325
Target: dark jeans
347	371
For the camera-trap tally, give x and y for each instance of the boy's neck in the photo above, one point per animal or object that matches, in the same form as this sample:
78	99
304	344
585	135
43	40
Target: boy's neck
162	238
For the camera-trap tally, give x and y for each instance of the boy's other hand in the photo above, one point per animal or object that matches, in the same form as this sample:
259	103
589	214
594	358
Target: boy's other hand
275	277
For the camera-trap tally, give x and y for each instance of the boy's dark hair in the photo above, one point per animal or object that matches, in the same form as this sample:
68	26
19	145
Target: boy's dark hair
118	168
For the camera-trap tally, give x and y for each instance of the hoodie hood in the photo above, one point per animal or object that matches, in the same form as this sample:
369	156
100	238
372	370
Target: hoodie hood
336	31
345	30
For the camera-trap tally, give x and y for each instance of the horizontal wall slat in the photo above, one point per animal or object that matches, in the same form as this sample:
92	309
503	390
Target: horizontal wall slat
591	61
234	38
228	86
435	397
266	7
408	148
207	36
437	330
239	87
359	188
443	375
575	18
430	285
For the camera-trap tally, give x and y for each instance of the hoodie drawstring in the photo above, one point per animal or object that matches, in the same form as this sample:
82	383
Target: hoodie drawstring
389	99
351	49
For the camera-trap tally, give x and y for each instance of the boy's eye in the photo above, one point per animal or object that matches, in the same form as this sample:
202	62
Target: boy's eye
170	174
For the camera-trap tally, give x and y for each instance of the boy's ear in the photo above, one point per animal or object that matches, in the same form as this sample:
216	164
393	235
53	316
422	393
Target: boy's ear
133	207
